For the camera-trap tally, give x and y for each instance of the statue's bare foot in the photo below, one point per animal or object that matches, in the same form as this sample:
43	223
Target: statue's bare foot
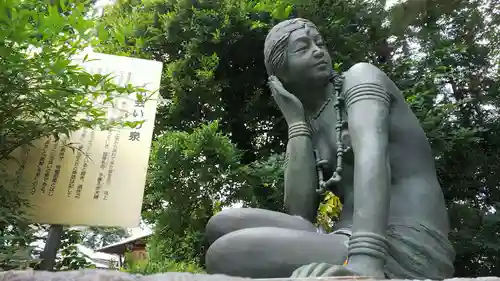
325	270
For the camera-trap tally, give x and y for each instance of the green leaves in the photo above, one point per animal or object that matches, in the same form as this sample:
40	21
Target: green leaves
279	10
44	88
148	267
329	211
190	171
448	84
15	234
70	257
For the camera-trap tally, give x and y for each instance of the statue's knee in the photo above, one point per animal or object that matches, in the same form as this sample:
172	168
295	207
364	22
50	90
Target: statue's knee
218	226
234	253
216	258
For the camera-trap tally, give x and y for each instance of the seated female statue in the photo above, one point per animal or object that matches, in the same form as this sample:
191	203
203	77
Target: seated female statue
394	220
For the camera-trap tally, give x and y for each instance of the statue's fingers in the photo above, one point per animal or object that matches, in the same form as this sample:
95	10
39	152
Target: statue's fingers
273	87
275	79
297	273
320	269
280	95
276	86
337	270
276	96
304	271
274	93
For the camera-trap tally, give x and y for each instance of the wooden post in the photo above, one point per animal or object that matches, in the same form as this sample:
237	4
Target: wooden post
51	247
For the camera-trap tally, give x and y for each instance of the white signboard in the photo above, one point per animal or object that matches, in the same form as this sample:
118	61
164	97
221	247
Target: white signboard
102	181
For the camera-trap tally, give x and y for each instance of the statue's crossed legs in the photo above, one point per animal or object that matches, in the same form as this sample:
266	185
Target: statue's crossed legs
265	244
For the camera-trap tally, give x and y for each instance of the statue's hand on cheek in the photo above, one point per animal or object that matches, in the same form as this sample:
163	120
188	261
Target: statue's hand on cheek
289	104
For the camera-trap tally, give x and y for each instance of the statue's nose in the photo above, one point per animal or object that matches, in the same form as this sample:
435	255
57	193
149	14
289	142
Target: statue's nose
317	51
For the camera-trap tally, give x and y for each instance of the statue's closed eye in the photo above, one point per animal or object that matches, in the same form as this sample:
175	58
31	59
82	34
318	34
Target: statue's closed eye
300	47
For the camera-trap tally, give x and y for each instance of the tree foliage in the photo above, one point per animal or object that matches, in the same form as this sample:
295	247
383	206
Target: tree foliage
69	257
98	237
191	176
15	233
44	92
452	82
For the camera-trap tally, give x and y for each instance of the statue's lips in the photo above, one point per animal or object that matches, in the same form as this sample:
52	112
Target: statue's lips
320	63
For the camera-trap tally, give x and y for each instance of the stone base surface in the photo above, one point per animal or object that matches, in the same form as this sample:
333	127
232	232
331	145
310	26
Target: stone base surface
111	275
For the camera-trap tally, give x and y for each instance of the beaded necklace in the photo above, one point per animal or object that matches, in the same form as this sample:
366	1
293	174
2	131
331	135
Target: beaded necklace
337	80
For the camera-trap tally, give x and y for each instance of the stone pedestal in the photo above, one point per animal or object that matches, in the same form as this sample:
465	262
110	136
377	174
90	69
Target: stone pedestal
110	275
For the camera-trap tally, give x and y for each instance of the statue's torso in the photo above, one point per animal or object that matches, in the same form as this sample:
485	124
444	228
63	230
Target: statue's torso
415	190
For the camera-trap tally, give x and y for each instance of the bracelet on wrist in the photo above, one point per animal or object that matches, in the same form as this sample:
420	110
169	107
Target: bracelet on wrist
298	129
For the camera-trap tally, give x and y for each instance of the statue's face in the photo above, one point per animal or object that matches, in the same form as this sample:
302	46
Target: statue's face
307	58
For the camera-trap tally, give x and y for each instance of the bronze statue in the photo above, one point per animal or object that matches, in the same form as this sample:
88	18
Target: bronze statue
352	133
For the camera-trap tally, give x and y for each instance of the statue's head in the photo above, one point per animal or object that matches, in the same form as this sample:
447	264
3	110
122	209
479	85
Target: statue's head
295	52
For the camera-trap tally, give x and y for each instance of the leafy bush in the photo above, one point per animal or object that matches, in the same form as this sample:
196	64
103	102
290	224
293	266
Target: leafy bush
147	267
196	173
16	234
43	91
70	258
